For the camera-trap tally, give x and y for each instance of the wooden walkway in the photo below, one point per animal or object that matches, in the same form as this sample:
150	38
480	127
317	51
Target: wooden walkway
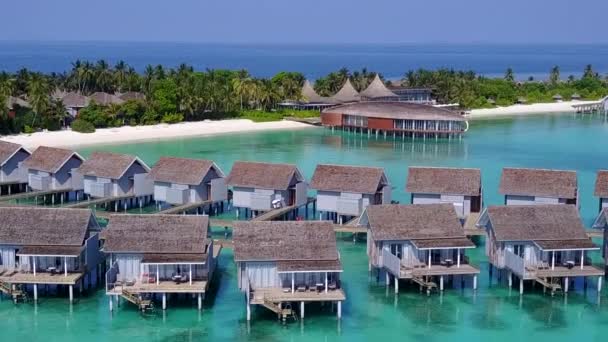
30	194
274	213
85	204
184	207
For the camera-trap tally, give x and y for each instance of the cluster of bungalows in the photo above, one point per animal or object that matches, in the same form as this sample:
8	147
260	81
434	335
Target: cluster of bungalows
13	176
261	187
280	263
53	247
343	192
158	255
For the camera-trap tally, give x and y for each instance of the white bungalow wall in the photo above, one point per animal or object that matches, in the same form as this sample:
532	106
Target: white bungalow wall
462	204
529	200
12	170
265	275
7	257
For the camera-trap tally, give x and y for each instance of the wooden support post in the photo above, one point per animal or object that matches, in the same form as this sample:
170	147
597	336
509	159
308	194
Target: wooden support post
475	282
396	284
339	309
35	292
387	277
200	302
164	301
248	311
111	304
440	283
510	279
599	284
521	285
71	293
566	284
302	309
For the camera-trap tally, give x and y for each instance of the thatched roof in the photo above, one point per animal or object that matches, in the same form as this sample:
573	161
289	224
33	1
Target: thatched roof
13	101
49	159
311	96
601	184
377	89
444	181
8	149
35	226
109	165
105	99
538	182
396	110
558	224
433	224
75	100
182	170
346	94
284	241
157	234
262	175
342	178
132	95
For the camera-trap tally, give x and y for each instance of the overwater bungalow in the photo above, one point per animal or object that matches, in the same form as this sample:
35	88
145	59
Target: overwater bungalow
601	188
282	263
459	186
74	102
178	181
419	242
395	118
546	244
109	174
54	247
13	176
51	168
343	192
260	187
377	91
346	94
158	255
538	186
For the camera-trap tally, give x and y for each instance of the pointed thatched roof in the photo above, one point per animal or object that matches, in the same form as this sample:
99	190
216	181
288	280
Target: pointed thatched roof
309	93
377	89
346	94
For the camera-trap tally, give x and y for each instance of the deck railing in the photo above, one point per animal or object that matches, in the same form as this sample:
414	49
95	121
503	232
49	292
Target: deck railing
391	262
515	263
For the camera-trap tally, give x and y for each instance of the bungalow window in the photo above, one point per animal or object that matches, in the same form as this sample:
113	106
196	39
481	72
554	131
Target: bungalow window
518	250
396	250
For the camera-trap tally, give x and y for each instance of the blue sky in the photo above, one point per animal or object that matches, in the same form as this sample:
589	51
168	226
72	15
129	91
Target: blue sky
308	21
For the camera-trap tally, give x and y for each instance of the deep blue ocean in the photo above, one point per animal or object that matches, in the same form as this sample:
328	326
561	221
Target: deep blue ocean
312	60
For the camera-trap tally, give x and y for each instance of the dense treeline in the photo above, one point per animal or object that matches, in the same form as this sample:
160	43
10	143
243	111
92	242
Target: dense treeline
182	93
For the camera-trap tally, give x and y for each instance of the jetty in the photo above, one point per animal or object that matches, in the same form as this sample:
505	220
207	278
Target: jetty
593	107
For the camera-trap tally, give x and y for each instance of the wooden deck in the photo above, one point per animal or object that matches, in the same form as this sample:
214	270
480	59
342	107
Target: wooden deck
277	295
274	213
184	207
41	278
97	201
164	286
438	270
562	272
24	195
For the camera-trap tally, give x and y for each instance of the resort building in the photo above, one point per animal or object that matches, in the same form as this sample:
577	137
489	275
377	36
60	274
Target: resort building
116	175
343	192
260	187
346	94
282	263
414	95
395	118
423	243
601	188
51	168
543	243
132	96
459	186
538	186
178	181
157	255
47	246
13	176
14	103
310	99
377	91
74	102
105	99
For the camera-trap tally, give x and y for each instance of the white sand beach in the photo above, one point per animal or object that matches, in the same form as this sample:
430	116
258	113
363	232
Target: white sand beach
524	109
128	134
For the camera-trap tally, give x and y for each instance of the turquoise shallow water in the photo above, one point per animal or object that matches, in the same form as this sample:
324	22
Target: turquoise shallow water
370	312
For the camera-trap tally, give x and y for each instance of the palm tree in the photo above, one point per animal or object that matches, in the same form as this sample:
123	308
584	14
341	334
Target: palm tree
38	94
103	76
554	75
510	75
120	74
7	85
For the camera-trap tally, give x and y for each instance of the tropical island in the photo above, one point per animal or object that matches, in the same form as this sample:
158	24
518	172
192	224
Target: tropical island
97	95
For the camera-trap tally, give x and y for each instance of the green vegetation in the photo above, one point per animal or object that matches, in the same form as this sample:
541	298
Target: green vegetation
183	94
82	126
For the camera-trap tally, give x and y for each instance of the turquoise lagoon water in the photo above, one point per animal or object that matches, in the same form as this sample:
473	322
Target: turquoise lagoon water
371	311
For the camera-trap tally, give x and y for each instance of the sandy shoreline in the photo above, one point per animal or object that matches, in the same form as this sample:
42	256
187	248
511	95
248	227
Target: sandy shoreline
128	134
524	109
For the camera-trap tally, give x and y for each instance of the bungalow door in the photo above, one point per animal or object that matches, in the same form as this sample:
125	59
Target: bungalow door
291	197
208	185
